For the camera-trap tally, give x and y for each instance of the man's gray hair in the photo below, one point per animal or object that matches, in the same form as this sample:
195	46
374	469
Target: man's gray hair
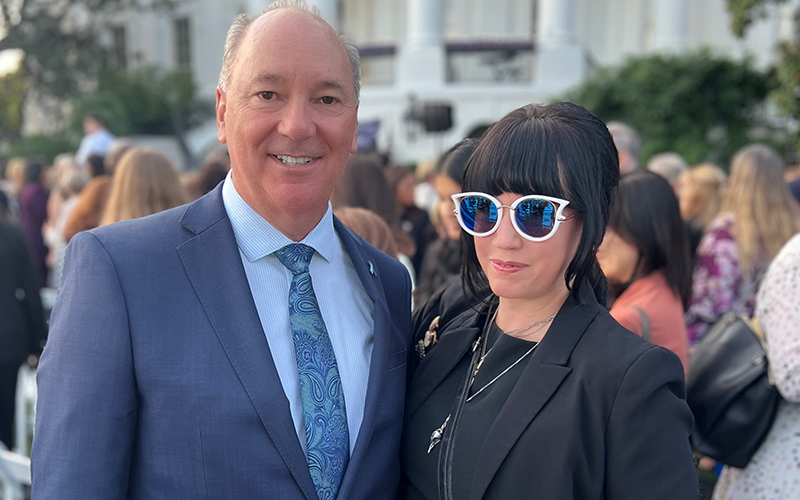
626	138
668	165
239	28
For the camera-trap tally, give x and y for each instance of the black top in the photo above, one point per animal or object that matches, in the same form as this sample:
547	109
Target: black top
597	413
476	420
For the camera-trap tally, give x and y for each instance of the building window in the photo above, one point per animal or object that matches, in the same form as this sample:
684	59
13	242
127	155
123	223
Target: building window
183	59
119	47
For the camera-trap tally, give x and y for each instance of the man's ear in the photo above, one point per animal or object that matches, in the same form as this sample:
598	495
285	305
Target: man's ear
221	107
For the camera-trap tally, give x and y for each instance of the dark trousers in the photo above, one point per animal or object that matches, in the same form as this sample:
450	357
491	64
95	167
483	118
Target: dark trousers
8	391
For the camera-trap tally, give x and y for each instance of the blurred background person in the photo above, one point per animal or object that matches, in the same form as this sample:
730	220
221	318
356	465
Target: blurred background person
33	212
363	185
628	143
15	179
97	140
774	470
668	165
701	192
645	257
145	183
425	196
442	259
414	221
95	166
91	203
115	153
759	215
22	327
208	177
69	183
369	226
89	207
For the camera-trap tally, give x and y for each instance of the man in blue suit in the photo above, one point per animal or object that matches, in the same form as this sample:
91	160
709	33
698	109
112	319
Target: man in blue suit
247	345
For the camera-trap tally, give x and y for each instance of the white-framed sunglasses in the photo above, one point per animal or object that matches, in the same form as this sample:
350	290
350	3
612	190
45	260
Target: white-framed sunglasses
536	217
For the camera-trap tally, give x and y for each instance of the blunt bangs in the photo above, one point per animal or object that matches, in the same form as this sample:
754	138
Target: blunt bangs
558	150
516	163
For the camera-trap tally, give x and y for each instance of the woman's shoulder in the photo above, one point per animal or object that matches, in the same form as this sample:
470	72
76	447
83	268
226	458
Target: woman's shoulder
608	347
449	302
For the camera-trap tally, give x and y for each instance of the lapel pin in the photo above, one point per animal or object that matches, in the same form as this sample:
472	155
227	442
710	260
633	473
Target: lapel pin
371	268
429	340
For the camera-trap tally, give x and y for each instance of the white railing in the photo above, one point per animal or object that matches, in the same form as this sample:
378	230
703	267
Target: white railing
25	410
15	474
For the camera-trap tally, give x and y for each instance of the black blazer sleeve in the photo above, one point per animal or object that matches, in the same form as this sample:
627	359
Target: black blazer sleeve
647	413
21	306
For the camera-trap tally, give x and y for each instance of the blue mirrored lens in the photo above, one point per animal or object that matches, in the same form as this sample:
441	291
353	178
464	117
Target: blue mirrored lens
478	213
536	217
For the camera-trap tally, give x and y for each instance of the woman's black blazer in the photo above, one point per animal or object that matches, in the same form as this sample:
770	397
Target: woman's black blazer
22	327
598	412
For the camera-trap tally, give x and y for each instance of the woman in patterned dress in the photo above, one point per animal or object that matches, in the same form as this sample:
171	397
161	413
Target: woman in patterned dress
758	217
774	471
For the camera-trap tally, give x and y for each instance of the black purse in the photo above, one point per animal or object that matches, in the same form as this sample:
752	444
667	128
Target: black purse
730	390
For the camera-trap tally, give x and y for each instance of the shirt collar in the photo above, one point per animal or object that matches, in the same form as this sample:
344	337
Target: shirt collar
258	238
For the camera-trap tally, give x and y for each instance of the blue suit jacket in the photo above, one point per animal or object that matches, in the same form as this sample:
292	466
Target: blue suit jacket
157	380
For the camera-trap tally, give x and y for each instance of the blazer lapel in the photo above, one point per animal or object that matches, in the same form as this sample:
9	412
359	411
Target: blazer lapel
213	264
541	378
453	344
370	277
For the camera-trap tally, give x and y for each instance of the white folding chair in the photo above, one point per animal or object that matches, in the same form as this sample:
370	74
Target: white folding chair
15	474
25	409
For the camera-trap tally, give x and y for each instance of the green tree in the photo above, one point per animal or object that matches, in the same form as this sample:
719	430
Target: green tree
786	93
699	105
12	94
62	56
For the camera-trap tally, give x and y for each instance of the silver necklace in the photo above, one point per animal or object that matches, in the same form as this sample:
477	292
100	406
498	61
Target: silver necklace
538	323
512	365
541	324
437	434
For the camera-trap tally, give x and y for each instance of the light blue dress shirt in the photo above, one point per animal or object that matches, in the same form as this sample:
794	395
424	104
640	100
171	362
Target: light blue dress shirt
346	307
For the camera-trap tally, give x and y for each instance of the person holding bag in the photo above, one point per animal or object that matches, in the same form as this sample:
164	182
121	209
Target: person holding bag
538	391
773	473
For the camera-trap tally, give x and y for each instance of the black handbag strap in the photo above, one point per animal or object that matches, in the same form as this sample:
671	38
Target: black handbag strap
645	322
750	289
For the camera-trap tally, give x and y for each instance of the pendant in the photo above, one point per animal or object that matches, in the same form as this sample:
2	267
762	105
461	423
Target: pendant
436	436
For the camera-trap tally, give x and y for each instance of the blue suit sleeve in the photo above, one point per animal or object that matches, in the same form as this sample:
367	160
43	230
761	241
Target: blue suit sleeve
647	439
87	409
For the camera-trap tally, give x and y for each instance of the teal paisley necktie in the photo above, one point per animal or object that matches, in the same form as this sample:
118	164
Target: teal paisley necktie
325	416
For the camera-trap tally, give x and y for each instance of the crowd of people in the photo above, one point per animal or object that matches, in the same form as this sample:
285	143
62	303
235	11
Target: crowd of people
532	253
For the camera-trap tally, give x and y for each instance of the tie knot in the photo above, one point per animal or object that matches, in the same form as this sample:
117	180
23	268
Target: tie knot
295	257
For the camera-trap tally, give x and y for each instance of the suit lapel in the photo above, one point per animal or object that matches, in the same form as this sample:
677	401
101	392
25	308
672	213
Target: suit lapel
214	267
542	376
370	277
453	344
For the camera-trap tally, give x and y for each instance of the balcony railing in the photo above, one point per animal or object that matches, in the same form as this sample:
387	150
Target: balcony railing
499	62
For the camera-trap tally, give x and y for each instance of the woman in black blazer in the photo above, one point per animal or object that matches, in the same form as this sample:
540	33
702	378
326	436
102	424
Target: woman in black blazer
22	326
537	392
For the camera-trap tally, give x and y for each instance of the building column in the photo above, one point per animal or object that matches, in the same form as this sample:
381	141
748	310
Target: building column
560	62
556	22
670	18
421	59
329	10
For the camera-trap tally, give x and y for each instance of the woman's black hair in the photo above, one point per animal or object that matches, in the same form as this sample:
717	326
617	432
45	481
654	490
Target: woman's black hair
96	164
454	161
646	214
33	171
559	150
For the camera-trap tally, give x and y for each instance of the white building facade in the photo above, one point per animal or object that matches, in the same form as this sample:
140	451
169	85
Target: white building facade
480	58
